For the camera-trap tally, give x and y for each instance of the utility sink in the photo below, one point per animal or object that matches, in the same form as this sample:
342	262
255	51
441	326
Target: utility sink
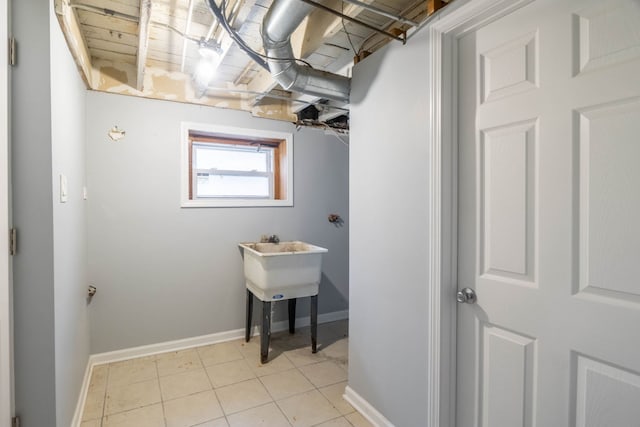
285	270
279	271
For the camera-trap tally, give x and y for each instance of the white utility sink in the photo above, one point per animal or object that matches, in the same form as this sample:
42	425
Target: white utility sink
285	270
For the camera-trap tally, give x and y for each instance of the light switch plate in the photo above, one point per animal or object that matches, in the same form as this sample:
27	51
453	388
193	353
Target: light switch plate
64	195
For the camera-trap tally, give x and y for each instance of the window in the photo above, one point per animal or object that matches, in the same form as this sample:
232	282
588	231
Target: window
224	166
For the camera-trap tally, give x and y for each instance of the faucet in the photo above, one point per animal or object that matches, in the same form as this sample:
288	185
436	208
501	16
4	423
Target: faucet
269	239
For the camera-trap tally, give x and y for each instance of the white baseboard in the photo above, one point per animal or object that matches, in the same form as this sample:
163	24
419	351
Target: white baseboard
183	344
365	408
77	415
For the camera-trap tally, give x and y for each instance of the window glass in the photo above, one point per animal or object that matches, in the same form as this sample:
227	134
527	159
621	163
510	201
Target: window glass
232	186
229	157
226	170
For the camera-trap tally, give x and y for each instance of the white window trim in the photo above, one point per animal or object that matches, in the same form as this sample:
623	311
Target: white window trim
231	131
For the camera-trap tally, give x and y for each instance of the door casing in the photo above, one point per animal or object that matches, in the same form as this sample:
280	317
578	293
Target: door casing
6	324
455	21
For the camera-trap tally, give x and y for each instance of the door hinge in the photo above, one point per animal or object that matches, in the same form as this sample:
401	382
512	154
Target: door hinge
12	51
15	422
13	241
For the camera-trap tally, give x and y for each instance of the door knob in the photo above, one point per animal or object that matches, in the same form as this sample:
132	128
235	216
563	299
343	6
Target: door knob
466	295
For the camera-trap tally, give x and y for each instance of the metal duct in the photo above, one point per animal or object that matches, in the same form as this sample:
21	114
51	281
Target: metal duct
279	23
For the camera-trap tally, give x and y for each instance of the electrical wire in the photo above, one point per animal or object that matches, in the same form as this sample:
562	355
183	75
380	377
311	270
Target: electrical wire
337	135
223	5
344	27
327	127
131	18
106	12
220	13
175	30
365	42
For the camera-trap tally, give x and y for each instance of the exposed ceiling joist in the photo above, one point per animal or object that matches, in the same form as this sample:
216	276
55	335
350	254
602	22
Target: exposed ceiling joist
434	5
302	101
417	11
321	25
332	110
263	82
75	39
149	48
238	23
185	42
143	41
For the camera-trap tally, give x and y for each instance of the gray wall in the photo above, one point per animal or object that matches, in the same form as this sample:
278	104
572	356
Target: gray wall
49	271
165	272
68	96
389	164
33	306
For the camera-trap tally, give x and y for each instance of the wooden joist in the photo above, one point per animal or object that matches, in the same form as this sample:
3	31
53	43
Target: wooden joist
262	82
434	5
75	40
319	26
143	42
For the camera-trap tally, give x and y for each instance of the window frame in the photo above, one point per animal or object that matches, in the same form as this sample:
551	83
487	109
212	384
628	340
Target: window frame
281	142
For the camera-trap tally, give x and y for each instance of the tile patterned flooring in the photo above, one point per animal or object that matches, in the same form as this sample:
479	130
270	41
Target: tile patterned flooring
225	385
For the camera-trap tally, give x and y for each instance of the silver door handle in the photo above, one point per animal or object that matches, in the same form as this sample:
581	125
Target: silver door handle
466	296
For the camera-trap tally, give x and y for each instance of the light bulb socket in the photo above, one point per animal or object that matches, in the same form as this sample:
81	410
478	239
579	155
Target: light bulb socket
209	49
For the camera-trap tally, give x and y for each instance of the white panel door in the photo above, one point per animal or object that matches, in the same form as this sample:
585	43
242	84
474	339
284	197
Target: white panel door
6	380
549	217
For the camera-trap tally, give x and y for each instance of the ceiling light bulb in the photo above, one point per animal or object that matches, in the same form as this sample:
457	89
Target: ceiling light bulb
205	70
209	50
209	53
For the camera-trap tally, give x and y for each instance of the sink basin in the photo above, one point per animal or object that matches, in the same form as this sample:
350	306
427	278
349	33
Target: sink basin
275	271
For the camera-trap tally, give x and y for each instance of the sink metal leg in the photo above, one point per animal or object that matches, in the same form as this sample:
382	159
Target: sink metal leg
314	323
247	334
292	315
266	331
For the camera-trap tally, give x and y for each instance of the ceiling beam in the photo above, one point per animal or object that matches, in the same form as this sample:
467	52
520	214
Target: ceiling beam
320	25
328	111
262	82
75	40
416	12
143	41
332	110
300	101
186	31
433	6
238	21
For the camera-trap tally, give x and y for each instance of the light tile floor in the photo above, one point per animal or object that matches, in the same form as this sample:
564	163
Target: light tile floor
225	385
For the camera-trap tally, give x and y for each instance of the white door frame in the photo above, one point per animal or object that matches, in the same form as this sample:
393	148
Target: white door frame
6	327
458	19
